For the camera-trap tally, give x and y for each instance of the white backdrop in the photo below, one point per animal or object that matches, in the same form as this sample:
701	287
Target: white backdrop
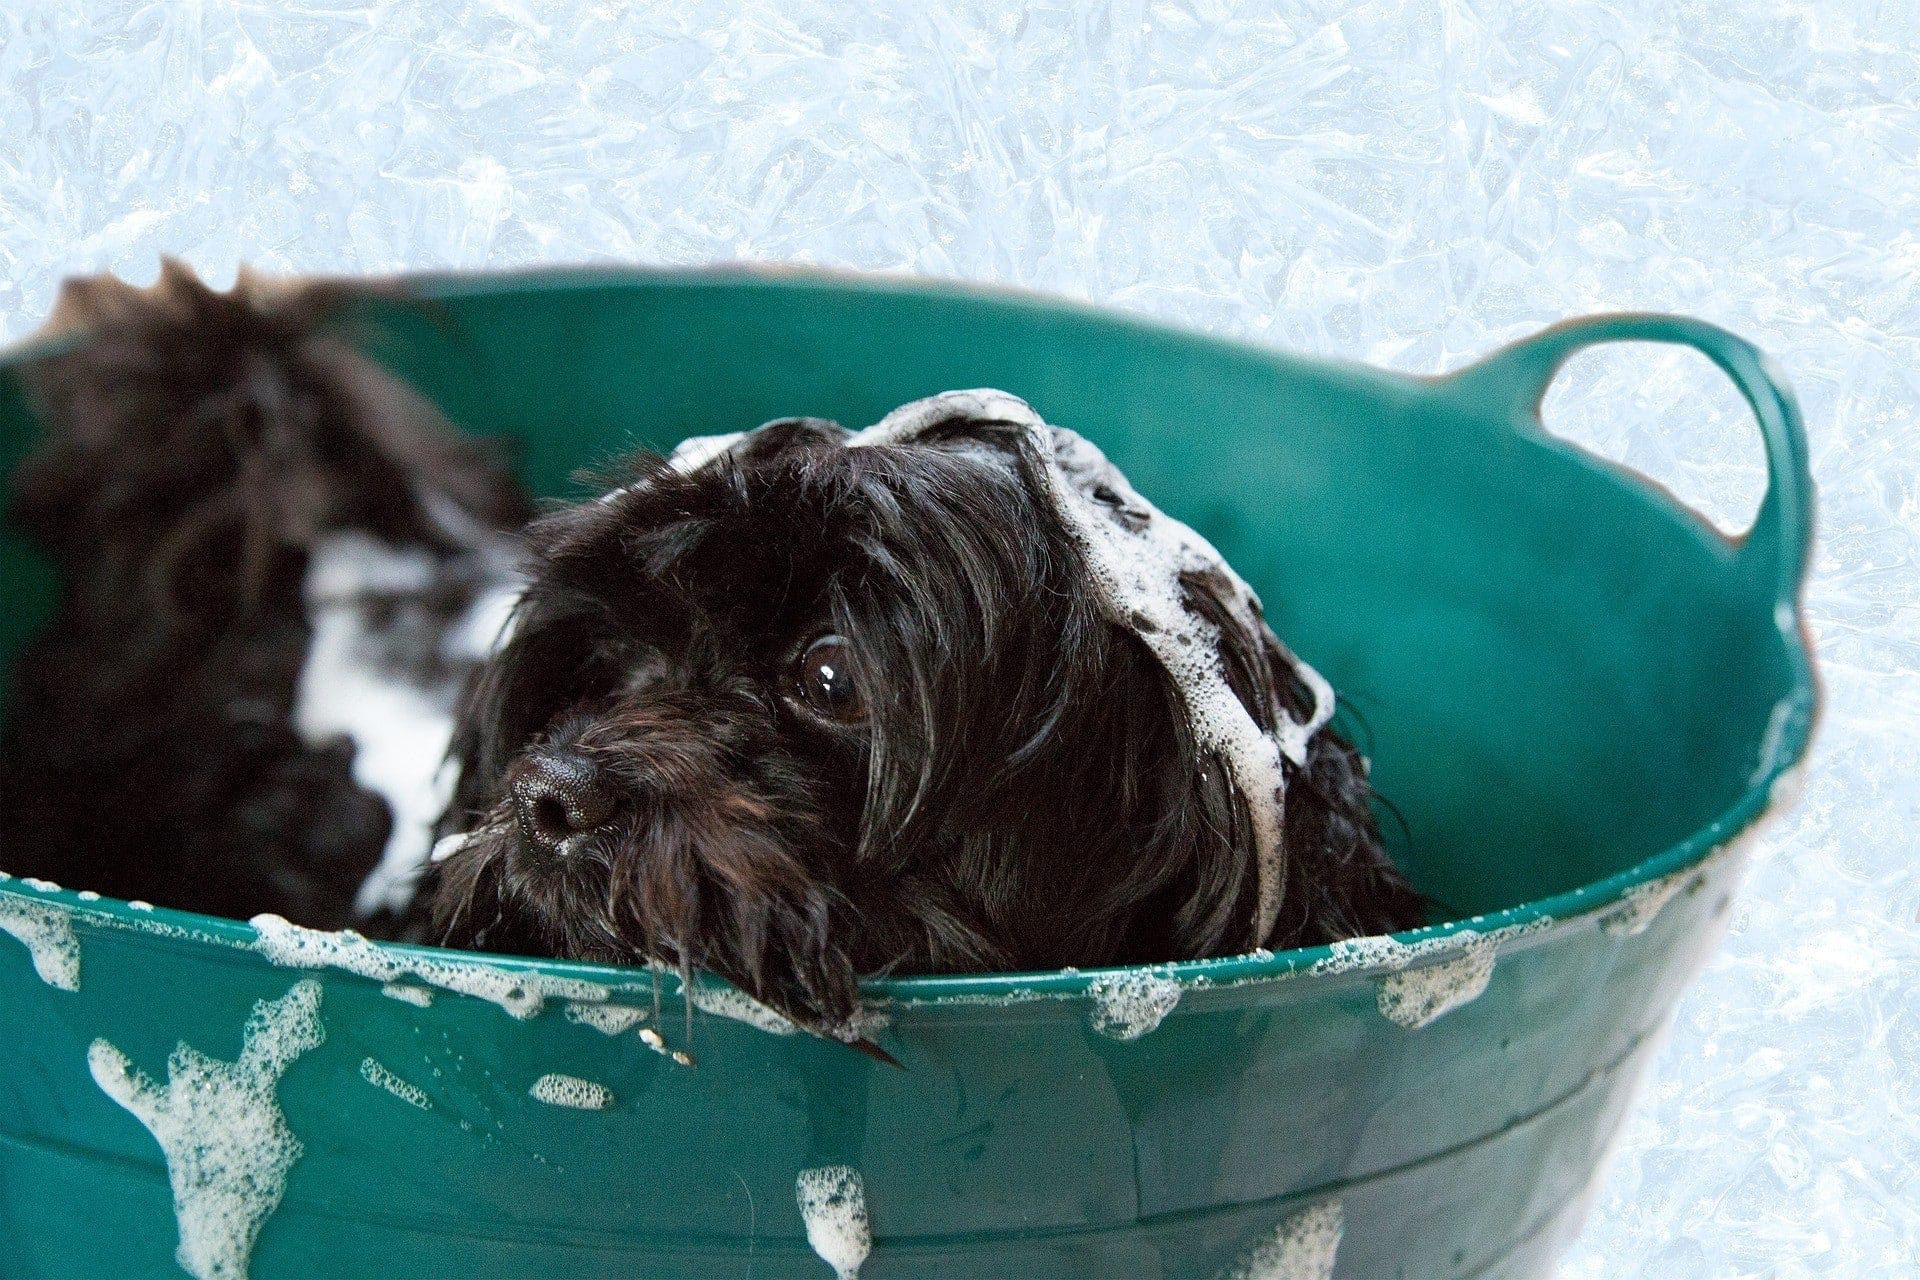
1346	179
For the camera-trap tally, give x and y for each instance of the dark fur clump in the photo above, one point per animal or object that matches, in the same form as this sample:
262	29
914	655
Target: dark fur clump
1023	790
196	444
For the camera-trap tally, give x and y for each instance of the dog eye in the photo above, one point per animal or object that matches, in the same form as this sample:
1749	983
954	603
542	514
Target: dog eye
823	681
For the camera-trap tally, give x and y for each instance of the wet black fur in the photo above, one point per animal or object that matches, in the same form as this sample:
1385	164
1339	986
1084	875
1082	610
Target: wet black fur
195	446
1026	793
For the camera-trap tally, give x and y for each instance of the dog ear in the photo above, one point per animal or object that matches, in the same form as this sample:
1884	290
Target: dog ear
208	435
1208	905
1223	884
1338	881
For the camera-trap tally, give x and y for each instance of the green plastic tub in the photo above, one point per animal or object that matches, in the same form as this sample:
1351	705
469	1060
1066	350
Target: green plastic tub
1579	695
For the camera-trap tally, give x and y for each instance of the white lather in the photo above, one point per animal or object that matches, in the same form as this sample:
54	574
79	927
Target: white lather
399	721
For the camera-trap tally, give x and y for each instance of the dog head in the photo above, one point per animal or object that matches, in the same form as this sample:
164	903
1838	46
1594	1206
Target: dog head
942	695
204	441
255	526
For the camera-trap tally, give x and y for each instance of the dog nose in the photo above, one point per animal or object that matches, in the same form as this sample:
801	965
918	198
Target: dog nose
558	795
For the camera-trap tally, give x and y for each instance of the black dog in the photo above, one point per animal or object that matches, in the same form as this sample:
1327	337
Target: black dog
278	564
946	695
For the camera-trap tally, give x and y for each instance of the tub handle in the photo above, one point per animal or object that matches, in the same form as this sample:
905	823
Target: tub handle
1776	548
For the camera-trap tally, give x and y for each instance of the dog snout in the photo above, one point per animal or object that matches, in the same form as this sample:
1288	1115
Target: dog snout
557	796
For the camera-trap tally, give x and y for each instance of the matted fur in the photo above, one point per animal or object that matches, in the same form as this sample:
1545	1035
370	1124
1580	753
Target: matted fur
196	445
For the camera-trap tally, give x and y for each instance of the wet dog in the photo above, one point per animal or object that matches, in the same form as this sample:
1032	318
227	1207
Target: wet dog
278	564
944	695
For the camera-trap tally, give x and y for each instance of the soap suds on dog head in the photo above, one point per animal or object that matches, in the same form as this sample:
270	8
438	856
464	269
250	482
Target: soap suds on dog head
374	1073
1303	1247
521	994
46	931
219	1124
1137	555
1129	1005
558	1090
833	1203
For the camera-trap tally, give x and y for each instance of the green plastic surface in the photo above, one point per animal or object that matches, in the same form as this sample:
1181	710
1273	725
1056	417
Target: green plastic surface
1574	690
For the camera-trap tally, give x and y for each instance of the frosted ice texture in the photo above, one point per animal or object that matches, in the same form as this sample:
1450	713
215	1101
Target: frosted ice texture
1403	183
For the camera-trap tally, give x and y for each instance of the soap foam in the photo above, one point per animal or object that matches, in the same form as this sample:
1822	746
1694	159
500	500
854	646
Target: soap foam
157	928
833	1202
1429	978
869	1020
1642	905
728	1002
400	728
1128	1006
46	931
1137	555
696	452
558	1090
521	994
607	1019
1301	1248
421	997
1418	996
375	1073
219	1124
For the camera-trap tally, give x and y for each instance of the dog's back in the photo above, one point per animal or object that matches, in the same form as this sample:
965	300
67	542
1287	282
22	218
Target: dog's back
266	545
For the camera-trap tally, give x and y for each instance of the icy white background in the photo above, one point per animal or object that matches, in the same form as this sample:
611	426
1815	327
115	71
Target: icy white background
1410	188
